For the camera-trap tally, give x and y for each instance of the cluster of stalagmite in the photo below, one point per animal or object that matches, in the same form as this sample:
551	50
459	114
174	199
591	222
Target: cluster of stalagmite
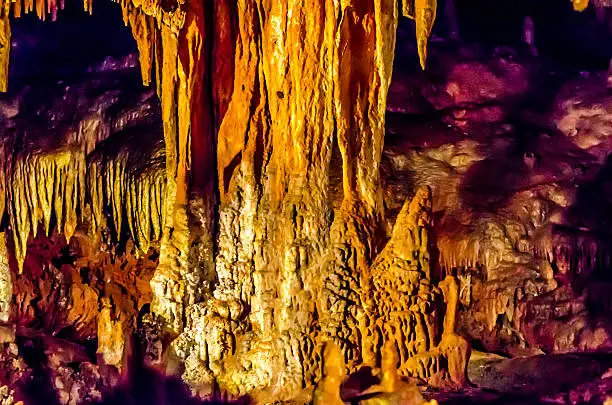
402	302
398	292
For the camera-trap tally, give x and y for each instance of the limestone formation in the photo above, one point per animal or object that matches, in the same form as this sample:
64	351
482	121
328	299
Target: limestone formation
286	273
112	336
68	176
6	281
257	270
399	296
7	396
455	348
334	372
402	302
391	389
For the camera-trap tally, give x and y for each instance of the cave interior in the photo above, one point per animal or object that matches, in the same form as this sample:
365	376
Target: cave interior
322	202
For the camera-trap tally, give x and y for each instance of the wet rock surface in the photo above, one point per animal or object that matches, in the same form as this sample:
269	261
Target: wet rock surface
518	230
543	379
520	203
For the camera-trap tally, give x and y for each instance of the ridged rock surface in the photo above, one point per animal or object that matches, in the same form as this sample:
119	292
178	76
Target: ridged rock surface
263	210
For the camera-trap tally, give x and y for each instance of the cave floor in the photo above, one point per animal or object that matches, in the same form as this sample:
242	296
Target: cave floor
569	378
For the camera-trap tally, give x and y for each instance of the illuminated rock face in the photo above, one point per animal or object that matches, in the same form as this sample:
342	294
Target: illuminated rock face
400	296
65	166
253	312
402	303
522	222
292	100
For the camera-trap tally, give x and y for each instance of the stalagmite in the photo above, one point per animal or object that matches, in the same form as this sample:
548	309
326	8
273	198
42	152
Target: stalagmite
6	282
401	302
392	390
455	348
398	294
112	337
327	391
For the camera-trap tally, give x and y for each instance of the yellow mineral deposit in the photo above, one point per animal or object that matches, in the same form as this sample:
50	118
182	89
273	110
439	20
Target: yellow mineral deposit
42	185
454	347
6	282
5	48
580	5
327	391
252	304
400	289
392	390
111	336
424	14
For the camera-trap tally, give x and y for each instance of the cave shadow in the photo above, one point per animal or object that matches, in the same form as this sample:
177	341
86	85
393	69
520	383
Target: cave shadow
141	385
37	388
591	213
592	208
149	387
533	155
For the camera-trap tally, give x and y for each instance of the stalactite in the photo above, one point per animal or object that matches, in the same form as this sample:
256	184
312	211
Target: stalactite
5	47
424	14
133	189
142	27
56	186
43	186
56	178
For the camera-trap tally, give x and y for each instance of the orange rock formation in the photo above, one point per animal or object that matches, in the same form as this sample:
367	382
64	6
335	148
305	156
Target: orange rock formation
251	307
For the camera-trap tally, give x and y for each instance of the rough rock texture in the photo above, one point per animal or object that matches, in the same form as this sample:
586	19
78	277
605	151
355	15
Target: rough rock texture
87	260
514	216
6	281
400	299
55	155
257	316
402	305
274	149
294	260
